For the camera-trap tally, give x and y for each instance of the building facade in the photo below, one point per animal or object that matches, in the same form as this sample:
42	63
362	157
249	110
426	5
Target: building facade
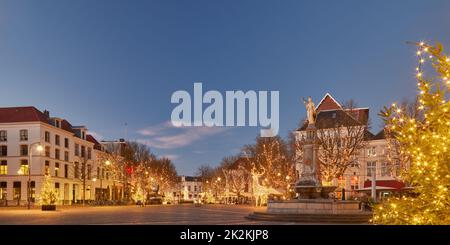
372	159
190	189
31	140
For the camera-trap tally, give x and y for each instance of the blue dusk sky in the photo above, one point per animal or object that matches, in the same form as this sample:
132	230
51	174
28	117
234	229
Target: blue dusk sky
106	63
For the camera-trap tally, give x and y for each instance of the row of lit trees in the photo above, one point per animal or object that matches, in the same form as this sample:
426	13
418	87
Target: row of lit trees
141	172
269	156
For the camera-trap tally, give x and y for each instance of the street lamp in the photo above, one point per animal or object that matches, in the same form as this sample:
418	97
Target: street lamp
39	148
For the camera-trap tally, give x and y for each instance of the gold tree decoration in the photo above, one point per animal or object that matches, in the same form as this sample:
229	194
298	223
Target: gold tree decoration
427	142
48	196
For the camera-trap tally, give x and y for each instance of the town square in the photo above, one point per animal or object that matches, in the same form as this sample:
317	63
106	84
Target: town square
252	113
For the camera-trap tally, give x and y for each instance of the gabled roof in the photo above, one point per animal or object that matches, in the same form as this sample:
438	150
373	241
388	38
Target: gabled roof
328	103
331	119
22	114
330	112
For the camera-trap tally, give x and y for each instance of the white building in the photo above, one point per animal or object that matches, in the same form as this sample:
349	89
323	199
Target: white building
57	149
373	157
190	189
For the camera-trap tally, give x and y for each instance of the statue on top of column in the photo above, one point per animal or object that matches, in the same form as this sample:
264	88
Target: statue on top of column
310	110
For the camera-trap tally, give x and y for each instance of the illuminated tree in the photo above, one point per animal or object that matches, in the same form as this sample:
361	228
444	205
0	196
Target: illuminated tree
427	143
138	193
271	154
340	139
48	196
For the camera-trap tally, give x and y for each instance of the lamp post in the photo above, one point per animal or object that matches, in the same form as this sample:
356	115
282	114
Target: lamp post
95	180
39	148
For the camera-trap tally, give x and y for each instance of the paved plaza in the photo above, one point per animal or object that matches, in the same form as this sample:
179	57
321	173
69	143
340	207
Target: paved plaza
186	214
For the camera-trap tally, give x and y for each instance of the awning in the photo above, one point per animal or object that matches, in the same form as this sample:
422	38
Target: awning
385	185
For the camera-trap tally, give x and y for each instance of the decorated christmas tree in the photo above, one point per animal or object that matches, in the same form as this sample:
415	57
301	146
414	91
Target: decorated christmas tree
138	194
426	141
48	194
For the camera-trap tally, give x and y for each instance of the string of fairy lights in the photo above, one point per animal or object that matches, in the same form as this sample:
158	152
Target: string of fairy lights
425	140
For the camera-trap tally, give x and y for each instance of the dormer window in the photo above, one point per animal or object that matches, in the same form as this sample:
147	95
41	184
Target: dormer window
57	123
83	135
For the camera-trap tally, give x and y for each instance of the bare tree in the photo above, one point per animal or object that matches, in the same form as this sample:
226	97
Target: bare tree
340	137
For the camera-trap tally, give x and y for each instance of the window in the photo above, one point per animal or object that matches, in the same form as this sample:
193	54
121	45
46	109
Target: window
23	167
47	136
57	190
24	150
16	190
371	151
397	168
3	150
3	167
47	151
3	189
57	124
76	170
189	188
66	171
57	139
355	164
33	191
354	185
77	150
103	173
371	168
47	168
384	169
195	188
23	135
66	156
66	142
83	151
56	169
98	172
3	136
89	153
83	135
88	171
57	154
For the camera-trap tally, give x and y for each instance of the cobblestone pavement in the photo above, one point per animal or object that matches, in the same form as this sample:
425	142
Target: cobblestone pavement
154	214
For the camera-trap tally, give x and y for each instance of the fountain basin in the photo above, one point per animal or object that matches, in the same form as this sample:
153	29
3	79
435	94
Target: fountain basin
314	192
313	206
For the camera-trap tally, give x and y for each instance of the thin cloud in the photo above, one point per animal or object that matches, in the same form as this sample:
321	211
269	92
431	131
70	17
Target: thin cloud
167	136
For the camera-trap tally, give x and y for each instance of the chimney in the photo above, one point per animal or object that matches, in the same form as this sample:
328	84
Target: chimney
46	113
